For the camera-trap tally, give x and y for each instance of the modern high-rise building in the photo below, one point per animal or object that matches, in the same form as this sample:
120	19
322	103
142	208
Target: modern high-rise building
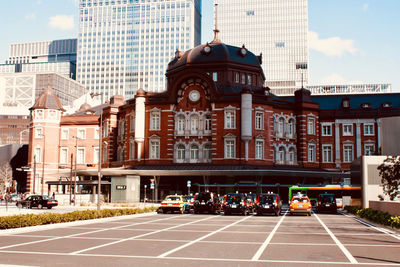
276	28
124	45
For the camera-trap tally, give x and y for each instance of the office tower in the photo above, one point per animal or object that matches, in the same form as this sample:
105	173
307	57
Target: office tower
124	45
58	56
276	28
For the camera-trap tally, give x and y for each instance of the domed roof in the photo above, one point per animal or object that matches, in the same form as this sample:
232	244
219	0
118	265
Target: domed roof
214	52
48	100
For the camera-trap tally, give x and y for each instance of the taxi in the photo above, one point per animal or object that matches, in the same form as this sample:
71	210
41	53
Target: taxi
300	204
174	203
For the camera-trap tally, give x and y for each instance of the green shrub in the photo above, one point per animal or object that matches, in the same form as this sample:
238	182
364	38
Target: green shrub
377	216
16	221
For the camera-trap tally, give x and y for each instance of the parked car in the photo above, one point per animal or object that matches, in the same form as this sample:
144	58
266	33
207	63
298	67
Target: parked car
206	202
300	204
327	202
174	203
268	203
235	203
37	201
251	202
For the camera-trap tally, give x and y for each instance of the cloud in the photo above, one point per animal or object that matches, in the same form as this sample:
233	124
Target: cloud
337	79
365	7
334	46
62	22
30	16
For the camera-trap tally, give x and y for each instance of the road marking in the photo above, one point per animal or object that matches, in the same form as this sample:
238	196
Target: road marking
329	263
268	240
136	237
201	238
73	235
392	234
338	243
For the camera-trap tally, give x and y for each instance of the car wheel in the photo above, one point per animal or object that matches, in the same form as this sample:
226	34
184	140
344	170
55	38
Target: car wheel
160	211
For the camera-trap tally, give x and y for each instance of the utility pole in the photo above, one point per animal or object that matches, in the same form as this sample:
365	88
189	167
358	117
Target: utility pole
44	157
70	180
34	173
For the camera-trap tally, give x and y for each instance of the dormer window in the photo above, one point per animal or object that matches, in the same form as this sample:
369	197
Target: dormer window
365	105
237	77
346	103
387	105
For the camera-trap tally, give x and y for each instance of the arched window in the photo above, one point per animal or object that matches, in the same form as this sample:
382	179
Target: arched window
194	123
180	125
292	155
180	152
281	124
207	152
194	152
291	126
281	155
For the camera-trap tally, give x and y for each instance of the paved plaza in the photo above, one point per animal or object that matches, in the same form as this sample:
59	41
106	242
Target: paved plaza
203	240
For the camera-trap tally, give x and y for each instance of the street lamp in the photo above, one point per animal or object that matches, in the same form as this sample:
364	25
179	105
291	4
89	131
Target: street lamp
76	162
100	150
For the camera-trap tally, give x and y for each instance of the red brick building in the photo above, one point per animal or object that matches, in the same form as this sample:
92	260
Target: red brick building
217	126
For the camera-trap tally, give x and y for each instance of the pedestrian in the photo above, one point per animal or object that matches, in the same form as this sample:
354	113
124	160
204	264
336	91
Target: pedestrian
54	195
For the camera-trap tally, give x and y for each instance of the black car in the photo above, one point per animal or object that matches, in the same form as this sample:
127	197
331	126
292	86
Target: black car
206	202
37	201
327	203
235	203
268	203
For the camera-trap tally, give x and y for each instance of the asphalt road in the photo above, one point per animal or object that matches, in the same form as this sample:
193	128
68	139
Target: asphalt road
203	240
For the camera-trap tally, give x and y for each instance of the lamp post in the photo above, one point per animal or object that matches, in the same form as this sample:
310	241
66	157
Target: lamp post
44	158
100	150
75	170
34	173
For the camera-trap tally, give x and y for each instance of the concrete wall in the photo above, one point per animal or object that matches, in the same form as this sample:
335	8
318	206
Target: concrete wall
390	135
391	207
125	189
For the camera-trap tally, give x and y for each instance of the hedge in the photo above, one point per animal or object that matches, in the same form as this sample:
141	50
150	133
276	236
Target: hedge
16	221
375	216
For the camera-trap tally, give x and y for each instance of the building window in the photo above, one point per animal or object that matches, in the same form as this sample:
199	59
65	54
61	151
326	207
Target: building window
311	152
96	155
280	44
291	129
369	149
280	155
155	120
131	123
230	119
96	133
105	128
292	156
38	154
180	152
250	12
104	154
229	149
81	134
208	123
180	124
237	77
259	153
63	155
368	129
154	149
131	150
243	78
326	153
38	132
39	114
347	153
80	157
194	153
249	79
326	130
194	124
281	126
259	120
347	129
310	126
215	76
207	152
64	134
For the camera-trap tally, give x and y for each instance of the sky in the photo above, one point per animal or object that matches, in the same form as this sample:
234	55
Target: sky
350	41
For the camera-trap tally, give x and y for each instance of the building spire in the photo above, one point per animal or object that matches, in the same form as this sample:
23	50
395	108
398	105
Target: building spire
216	31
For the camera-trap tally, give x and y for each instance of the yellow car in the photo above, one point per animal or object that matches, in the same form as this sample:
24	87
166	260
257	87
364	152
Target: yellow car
300	204
174	203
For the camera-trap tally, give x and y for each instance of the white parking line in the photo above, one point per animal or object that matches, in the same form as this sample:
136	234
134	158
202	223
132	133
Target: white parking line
201	238
338	243
136	237
268	240
90	232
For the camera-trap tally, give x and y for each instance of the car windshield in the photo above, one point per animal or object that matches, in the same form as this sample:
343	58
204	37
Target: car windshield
267	199
45	197
328	198
233	198
171	198
203	196
300	199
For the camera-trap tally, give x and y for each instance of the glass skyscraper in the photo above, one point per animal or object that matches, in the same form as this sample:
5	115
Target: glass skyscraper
276	28
124	45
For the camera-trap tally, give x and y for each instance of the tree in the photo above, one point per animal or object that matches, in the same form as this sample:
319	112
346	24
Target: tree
389	171
5	176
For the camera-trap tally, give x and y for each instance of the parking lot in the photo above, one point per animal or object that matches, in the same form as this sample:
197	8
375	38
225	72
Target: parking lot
203	240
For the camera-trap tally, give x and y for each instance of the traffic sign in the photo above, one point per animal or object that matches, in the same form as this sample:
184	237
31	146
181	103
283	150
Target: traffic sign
189	183
152	186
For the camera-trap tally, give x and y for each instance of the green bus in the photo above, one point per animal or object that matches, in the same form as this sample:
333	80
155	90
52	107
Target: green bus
346	195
